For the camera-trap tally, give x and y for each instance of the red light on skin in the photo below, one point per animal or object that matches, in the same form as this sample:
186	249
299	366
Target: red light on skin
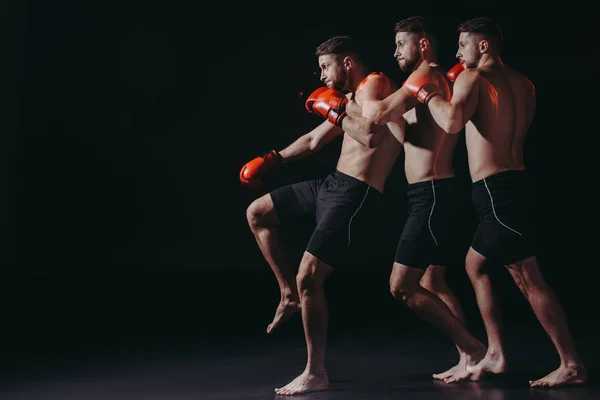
300	94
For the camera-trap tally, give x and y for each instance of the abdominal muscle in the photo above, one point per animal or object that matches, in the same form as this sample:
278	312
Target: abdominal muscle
371	166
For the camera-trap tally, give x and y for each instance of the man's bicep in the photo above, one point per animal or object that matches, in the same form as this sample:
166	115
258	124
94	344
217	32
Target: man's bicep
465	94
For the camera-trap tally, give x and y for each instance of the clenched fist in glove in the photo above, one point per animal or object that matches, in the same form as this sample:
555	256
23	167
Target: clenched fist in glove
422	84
251	173
328	103
455	71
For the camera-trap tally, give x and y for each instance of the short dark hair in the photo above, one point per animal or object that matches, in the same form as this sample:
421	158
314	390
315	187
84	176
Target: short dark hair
418	25
340	46
485	27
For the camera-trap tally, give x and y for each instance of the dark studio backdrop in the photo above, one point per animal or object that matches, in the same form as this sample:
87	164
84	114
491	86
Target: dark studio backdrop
126	125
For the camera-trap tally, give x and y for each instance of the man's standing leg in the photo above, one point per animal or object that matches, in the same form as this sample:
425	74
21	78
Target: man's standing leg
434	281
404	286
428	242
549	312
505	232
494	361
311	278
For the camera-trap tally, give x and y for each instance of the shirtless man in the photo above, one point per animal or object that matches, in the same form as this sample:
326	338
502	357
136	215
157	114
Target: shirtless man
341	203
430	238
496	105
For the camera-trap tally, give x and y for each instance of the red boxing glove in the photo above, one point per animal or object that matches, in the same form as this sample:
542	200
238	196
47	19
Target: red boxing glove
251	172
422	85
455	71
328	103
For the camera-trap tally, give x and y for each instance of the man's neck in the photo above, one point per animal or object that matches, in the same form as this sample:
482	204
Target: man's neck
357	78
488	61
427	62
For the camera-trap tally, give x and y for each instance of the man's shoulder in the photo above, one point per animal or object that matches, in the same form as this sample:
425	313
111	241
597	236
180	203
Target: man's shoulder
379	80
469	76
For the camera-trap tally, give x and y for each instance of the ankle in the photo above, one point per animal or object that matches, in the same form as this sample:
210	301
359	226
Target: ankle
572	363
495	353
318	371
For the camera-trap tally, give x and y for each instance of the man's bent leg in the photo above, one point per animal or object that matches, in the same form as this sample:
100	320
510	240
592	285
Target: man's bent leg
434	280
264	224
494	360
549	312
404	286
311	278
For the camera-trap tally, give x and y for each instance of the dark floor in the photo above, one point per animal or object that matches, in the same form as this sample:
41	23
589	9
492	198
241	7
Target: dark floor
157	336
375	365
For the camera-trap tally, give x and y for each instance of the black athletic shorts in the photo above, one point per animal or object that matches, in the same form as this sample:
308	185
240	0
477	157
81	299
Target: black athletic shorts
502	202
341	205
433	229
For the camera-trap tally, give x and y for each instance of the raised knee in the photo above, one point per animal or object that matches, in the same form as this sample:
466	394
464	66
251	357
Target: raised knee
254	214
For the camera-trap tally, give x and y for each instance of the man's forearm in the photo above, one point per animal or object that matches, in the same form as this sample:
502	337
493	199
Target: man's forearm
302	147
389	109
360	129
353	109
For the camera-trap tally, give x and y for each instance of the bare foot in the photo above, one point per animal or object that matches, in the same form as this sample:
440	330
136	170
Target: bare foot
493	363
475	370
460	371
563	376
286	308
450	372
456	372
304	383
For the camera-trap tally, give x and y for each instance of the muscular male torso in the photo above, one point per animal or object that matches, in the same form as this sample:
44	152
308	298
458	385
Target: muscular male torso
428	150
372	165
496	133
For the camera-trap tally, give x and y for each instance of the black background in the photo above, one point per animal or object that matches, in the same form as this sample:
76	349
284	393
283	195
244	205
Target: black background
126	124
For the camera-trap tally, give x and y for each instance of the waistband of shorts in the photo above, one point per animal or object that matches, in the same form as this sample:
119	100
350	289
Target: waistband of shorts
428	184
510	174
350	179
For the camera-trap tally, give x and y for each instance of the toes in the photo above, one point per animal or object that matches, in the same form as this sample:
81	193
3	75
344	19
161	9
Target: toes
537	383
282	391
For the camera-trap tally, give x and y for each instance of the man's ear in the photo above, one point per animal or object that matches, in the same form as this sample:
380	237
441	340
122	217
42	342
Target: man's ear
348	62
424	44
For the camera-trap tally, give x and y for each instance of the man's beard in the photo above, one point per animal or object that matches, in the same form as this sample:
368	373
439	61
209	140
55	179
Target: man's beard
474	63
409	66
341	84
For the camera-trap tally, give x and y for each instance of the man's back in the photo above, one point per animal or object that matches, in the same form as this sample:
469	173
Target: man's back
496	134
